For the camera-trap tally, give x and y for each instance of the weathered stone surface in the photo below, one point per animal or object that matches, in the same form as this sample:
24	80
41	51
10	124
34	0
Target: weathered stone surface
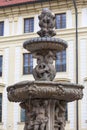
47	23
45	43
44	101
44	90
36	114
44	70
44	50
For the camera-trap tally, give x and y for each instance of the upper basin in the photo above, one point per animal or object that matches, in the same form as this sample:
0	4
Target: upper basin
45	43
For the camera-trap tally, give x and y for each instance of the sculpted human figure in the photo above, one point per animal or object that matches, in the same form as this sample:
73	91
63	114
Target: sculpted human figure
60	109
30	116
41	115
44	69
36	116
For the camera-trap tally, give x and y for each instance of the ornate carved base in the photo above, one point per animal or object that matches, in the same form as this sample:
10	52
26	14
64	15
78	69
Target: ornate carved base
44	102
44	114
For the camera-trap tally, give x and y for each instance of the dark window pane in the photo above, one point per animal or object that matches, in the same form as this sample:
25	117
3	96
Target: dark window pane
1	28
60	21
0	107
28	25
22	115
0	65
66	113
61	61
27	63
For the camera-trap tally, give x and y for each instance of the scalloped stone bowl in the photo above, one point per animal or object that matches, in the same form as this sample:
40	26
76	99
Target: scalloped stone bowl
45	43
44	90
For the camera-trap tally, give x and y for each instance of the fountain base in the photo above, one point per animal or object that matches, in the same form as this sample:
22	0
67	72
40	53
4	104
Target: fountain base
44	102
44	114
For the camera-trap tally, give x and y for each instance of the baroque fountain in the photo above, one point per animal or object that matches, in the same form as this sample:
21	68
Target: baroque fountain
44	100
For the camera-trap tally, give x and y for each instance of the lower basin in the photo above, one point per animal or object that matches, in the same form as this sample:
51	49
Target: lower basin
24	90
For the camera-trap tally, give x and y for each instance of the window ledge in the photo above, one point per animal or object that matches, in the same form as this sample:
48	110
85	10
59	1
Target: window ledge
67	122
2	85
85	79
62	80
20	123
1	123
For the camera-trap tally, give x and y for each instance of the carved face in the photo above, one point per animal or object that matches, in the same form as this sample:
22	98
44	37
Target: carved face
44	72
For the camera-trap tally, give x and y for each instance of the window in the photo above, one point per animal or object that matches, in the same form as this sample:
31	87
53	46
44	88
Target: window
60	21
27	63
0	65
0	107
28	25
66	113
61	61
1	28
22	115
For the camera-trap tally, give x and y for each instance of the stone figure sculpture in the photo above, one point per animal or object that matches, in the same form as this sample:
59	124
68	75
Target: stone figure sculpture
37	114
47	23
44	69
60	109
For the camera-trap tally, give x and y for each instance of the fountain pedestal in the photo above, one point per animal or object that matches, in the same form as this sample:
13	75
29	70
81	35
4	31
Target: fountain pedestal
44	100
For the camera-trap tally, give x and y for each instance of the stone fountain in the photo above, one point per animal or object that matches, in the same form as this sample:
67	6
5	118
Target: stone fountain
44	100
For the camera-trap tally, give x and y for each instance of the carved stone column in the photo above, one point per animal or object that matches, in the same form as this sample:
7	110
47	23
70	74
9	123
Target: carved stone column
44	114
37	115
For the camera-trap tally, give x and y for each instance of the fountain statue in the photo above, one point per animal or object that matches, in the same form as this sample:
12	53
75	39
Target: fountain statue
44	100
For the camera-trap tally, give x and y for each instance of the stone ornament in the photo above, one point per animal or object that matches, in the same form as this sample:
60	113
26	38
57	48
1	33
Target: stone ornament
36	114
39	44
60	109
46	23
44	70
44	50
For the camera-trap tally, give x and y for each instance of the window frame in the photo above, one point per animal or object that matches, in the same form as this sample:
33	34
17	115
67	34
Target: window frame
31	66
22	115
66	113
61	22
61	67
28	31
1	108
2	29
1	67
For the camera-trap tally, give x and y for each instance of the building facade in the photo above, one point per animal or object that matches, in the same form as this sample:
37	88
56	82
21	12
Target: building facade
19	22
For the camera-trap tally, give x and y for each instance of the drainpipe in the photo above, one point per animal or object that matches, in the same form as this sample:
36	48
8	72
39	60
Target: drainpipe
76	31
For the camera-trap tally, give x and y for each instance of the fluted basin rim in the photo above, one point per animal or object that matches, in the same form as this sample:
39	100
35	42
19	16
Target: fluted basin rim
50	43
44	90
26	82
